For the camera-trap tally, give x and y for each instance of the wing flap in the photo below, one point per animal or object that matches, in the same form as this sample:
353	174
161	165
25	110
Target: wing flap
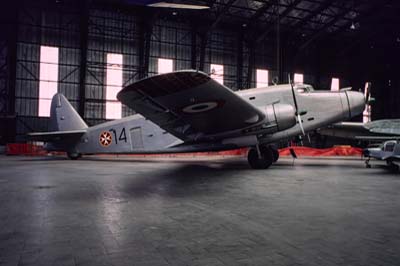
189	104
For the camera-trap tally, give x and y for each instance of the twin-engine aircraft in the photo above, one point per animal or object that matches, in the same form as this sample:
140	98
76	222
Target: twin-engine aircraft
187	111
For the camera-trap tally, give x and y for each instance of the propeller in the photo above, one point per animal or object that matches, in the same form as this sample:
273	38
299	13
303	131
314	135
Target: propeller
368	101
298	113
368	88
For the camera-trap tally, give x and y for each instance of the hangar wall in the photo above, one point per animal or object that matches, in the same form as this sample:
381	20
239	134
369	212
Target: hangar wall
85	34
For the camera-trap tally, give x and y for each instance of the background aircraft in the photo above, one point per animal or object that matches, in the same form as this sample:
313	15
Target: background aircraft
386	131
187	111
378	130
388	151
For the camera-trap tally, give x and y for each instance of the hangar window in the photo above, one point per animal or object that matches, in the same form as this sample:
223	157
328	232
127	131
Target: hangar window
335	84
298	78
261	78
48	78
217	73
113	85
165	65
367	111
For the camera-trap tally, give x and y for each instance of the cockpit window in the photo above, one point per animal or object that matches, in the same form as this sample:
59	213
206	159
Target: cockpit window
389	146
303	88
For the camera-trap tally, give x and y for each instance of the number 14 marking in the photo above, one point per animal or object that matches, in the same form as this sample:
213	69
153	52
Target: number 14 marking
122	135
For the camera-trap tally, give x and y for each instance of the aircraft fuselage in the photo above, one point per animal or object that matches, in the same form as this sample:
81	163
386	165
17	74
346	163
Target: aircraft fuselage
136	134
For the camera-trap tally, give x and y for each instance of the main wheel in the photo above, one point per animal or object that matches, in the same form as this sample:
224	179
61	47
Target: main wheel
392	166
262	162
275	154
74	155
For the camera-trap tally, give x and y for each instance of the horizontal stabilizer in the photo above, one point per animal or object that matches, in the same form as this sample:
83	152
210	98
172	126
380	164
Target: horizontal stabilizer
55	136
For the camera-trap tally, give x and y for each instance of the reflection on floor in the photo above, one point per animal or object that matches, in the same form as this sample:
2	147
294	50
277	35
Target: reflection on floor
100	211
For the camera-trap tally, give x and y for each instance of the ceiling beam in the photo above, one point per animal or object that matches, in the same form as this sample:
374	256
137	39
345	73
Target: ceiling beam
375	10
323	29
261	11
323	6
221	14
288	9
365	32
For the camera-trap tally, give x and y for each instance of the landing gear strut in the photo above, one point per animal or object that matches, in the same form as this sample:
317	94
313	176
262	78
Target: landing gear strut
367	164
261	158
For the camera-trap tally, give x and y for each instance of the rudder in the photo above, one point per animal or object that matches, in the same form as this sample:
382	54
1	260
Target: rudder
63	117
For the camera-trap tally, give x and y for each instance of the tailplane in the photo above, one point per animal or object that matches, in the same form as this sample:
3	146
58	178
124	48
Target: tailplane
63	116
65	123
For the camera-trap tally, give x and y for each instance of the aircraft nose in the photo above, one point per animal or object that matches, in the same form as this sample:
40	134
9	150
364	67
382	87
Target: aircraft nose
356	102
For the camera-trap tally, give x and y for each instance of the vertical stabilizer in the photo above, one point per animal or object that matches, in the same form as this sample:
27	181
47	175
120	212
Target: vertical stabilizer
63	116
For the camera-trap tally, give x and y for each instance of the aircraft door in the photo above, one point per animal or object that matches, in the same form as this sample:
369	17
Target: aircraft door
136	138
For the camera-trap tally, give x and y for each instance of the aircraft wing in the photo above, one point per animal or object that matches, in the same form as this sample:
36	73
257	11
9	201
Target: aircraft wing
387	126
189	104
348	130
377	138
56	135
375	130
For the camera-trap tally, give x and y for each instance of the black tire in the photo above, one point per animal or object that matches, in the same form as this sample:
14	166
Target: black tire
275	154
393	167
260	163
74	155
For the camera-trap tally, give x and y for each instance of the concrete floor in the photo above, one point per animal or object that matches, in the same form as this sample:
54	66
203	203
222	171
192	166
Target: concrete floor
201	212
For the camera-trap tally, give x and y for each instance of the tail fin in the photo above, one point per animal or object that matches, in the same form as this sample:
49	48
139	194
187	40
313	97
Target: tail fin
63	116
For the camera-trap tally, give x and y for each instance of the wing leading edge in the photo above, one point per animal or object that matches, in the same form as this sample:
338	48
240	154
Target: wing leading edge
190	105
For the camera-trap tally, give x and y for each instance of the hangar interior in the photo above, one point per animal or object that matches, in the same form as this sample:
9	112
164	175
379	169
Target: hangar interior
212	210
246	43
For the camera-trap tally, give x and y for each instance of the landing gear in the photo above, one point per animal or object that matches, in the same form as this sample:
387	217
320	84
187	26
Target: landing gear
392	166
367	164
275	154
74	155
261	158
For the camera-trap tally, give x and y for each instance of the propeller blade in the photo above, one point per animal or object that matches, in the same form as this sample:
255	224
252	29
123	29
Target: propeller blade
294	95
367	91
298	113
301	124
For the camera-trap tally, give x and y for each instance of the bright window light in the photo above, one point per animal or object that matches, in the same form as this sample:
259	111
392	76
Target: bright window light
335	84
217	73
48	78
367	111
261	78
367	114
298	78
165	65
113	86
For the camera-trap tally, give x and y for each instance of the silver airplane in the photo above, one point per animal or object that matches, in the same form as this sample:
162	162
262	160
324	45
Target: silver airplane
187	111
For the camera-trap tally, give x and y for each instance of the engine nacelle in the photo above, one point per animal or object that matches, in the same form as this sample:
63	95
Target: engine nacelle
278	117
283	115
